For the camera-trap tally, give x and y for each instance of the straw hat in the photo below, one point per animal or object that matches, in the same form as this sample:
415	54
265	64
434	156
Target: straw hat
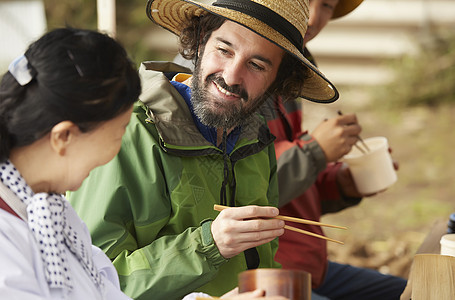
344	7
283	22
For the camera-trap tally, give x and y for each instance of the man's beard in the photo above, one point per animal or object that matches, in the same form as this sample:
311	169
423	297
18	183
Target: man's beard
221	113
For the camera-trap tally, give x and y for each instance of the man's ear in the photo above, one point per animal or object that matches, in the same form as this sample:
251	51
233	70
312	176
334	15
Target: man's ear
62	135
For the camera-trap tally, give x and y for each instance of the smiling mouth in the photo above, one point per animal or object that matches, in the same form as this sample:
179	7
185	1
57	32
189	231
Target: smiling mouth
224	91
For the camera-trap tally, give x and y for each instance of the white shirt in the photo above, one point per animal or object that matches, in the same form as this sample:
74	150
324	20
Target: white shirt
22	270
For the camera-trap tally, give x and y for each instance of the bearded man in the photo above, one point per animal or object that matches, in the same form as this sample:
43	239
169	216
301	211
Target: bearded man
195	141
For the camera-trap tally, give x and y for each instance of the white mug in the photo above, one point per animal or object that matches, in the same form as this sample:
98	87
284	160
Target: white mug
372	170
448	244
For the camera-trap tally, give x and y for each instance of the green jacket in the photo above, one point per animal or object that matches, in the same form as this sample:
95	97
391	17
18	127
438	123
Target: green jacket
150	208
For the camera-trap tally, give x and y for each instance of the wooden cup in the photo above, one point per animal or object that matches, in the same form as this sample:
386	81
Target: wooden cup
433	277
293	284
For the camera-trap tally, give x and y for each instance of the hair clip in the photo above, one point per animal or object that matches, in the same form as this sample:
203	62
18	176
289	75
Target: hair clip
78	69
20	70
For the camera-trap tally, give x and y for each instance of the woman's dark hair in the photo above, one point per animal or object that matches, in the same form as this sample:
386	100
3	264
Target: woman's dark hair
79	75
291	74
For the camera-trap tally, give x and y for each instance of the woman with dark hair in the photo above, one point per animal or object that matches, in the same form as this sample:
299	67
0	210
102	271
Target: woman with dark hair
64	106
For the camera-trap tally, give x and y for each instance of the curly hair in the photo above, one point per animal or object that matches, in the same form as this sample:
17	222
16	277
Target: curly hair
290	78
197	33
291	73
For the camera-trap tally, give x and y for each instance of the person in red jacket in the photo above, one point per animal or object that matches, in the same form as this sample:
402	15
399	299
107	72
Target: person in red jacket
312	183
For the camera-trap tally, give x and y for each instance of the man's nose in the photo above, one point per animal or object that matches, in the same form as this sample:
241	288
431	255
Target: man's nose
315	12
233	73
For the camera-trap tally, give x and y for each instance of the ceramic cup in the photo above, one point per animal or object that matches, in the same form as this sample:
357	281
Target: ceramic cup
373	170
448	244
292	284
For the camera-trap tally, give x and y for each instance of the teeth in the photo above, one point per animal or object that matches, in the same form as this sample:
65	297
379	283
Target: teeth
223	90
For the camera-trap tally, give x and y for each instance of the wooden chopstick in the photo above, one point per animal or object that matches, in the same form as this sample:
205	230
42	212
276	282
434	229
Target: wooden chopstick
309	222
363	143
311	234
360	149
218	207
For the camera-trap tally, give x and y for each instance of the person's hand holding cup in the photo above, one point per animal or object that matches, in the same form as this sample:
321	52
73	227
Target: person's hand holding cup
371	167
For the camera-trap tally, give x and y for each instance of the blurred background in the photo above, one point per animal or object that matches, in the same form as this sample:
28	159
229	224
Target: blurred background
394	64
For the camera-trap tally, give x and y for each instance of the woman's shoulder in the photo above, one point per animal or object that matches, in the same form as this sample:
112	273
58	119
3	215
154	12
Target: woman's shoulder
14	229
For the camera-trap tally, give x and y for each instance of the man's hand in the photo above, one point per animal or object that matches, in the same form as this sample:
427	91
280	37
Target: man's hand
346	183
239	228
337	136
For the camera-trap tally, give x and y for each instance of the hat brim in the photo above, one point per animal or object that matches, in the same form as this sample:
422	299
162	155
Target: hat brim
344	7
173	15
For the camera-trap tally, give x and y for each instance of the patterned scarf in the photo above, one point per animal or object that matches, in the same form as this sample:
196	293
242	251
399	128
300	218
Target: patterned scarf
47	222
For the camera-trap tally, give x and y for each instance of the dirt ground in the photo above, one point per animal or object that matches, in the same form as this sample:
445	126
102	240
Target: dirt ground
386	230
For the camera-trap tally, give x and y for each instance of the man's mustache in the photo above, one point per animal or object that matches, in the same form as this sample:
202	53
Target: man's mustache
235	89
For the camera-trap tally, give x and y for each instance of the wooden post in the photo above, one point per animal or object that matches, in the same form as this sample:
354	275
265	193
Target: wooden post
106	17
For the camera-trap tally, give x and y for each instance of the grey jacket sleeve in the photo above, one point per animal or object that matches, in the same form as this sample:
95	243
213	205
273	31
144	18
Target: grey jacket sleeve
298	168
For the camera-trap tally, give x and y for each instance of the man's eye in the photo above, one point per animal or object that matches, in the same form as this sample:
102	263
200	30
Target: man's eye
257	67
223	51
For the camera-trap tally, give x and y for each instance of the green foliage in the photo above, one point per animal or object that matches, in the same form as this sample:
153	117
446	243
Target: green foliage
427	77
74	13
